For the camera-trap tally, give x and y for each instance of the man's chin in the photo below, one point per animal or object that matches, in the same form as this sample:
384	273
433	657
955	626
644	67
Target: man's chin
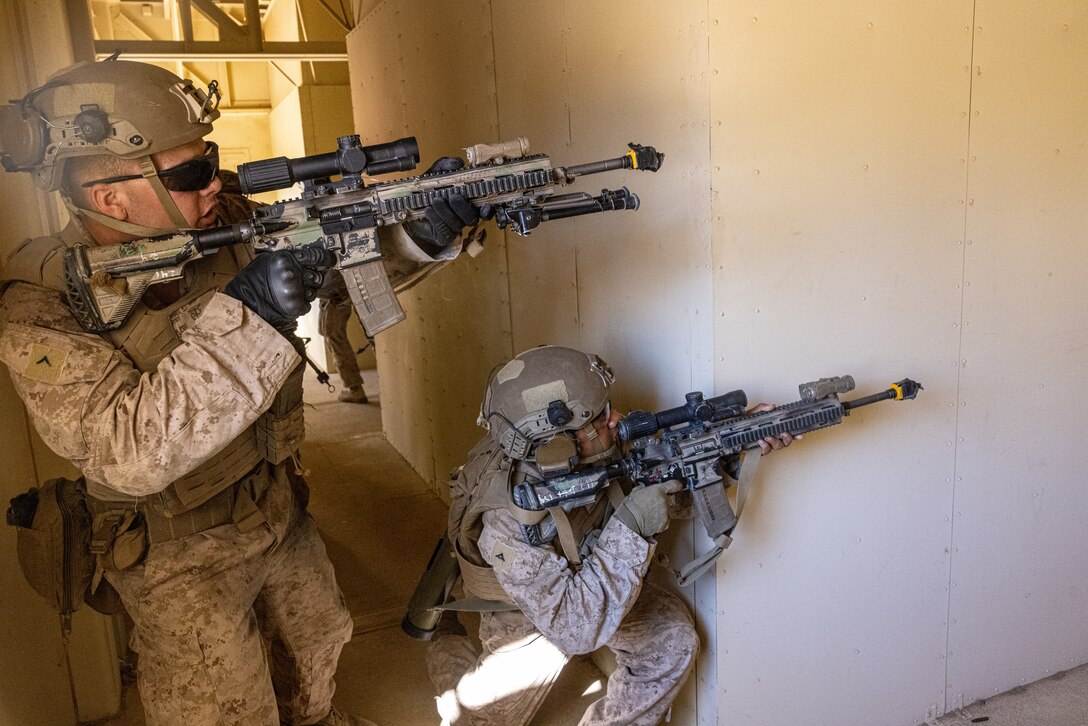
208	220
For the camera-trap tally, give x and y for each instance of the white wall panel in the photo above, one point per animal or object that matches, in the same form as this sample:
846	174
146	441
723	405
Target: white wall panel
878	189
633	287
425	70
839	135
1019	603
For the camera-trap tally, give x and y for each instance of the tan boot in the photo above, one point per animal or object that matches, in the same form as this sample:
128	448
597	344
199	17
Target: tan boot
355	394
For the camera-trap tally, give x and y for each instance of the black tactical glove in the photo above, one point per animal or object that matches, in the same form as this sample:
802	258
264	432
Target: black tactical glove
445	217
279	285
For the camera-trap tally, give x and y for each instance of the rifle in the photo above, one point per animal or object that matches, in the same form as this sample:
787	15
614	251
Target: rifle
502	181
700	444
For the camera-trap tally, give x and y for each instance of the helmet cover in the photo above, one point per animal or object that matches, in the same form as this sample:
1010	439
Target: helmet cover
127	109
541	392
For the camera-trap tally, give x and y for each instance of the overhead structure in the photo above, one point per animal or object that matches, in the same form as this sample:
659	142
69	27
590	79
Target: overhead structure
197	30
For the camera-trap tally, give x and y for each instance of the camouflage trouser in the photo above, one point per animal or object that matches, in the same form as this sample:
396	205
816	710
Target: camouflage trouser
201	603
333	324
655	648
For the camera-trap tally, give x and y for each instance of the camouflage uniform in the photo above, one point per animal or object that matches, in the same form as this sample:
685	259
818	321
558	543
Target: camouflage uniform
199	601
563	611
336	309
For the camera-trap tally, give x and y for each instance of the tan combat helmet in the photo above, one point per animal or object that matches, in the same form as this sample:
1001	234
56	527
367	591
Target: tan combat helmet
542	392
127	109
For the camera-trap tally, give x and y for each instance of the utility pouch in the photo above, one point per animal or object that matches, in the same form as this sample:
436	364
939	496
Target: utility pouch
281	428
129	542
53	528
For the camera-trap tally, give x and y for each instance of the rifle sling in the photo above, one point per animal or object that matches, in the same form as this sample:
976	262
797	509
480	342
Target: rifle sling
695	569
567	541
478	605
748	465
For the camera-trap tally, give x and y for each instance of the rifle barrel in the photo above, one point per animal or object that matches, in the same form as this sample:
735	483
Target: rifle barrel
903	390
866	400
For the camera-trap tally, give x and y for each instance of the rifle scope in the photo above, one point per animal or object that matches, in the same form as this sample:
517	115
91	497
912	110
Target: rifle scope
350	159
697	409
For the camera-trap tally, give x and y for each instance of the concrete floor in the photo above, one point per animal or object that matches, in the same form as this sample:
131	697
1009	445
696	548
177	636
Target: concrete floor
1060	700
380	524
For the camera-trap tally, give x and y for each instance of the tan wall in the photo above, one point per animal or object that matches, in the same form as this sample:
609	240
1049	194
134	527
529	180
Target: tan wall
34	664
855	187
35	674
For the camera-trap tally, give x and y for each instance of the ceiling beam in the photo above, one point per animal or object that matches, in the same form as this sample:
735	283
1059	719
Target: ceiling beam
204	50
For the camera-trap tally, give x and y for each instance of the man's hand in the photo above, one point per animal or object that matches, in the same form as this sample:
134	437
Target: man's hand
279	286
645	511
445	218
773	443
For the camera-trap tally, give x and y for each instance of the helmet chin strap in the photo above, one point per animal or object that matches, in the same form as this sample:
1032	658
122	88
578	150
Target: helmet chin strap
596	447
608	453
152	175
137	230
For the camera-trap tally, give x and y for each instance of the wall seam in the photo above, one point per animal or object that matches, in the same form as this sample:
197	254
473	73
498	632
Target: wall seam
959	365
712	586
498	131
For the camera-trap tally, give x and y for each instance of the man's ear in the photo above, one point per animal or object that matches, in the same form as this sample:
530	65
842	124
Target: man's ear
110	200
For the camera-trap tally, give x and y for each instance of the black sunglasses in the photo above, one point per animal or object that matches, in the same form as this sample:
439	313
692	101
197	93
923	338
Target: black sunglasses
188	176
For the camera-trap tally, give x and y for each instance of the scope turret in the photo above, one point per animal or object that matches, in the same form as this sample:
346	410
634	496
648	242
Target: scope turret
697	409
